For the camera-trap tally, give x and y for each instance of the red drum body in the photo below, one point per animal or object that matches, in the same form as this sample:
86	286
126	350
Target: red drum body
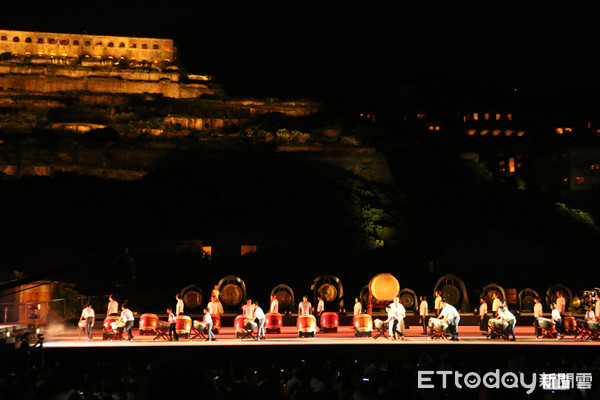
273	323
240	326
148	324
307	325
216	319
330	322
183	326
108	330
570	325
363	325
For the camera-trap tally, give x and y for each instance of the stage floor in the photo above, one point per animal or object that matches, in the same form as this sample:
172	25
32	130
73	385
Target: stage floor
289	337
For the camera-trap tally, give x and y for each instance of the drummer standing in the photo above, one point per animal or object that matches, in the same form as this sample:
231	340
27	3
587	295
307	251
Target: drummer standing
179	306
209	324
128	319
89	316
392	321
437	302
259	314
400	314
172	321
304	308
274	309
357	307
216	294
423	310
483	317
538	312
213	306
450	315
320	309
113	306
248	309
496	303
561	304
558	321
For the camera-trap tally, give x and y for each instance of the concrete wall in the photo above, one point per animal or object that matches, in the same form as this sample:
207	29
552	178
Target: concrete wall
95	46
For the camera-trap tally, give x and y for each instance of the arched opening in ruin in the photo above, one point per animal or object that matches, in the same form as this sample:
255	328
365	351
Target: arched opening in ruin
87	43
3	38
75	42
64	42
40	41
16	39
145	46
51	41
121	45
28	40
111	44
132	45
154	47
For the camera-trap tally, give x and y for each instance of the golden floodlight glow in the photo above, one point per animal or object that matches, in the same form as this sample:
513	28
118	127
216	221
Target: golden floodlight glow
484	132
520	133
471	132
560	131
511	164
508	132
496	132
40	53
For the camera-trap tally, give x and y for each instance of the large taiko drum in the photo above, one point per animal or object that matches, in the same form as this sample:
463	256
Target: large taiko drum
183	326
330	322
273	323
570	325
148	324
384	287
363	325
216	320
307	325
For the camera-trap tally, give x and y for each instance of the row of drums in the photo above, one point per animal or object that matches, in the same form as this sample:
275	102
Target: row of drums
149	324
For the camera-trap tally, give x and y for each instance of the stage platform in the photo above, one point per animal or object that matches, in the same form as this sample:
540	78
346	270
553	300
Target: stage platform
289	337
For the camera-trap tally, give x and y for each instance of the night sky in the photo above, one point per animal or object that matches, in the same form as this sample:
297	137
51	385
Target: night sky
356	51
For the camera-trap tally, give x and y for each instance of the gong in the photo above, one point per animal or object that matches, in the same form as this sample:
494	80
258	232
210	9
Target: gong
231	294
328	292
451	294
527	303
192	299
407	300
283	298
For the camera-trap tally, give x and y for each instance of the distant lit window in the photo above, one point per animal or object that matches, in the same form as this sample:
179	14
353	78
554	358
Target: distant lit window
430	127
132	45
496	132
471	132
502	162
520	133
246	249
595	167
568	130
566	180
437	127
28	40
167	47
154	47
484	132
509	116
487	116
508	132
475	116
207	250
580	180
511	164
16	39
560	131
498	117
421	116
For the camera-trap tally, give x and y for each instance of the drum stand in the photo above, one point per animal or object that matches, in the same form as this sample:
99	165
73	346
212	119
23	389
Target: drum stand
381	332
197	334
162	334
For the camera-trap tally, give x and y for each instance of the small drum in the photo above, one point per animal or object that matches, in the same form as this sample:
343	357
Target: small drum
498	324
216	319
570	325
545	323
109	320
183	326
307	325
437	324
330	322
594	325
378	324
162	326
82	324
116	325
273	323
250	325
148	324
363	325
199	325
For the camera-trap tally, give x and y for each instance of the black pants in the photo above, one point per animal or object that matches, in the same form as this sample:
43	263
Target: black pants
424	319
173	331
